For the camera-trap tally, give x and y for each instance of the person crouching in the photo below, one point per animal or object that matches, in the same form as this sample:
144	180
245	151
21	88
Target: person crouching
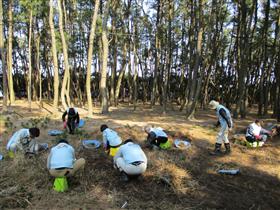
62	161
111	140
156	137
255	132
24	140
130	160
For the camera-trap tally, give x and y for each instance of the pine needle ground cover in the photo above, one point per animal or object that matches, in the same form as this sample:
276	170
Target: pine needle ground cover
175	179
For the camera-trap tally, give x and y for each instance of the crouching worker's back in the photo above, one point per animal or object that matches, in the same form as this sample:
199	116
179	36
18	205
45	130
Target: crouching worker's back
62	161
130	160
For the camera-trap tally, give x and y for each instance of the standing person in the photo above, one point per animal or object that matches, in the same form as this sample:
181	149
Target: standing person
255	132
111	140
156	136
62	161
23	140
73	119
130	160
225	121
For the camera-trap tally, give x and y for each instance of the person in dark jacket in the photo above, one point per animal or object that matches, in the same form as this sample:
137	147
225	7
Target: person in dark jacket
73	119
225	121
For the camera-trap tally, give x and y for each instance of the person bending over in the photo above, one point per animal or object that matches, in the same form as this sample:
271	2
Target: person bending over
73	119
130	160
156	136
24	140
111	140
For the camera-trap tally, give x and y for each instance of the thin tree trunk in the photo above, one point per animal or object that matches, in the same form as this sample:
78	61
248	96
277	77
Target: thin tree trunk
89	59
10	56
196	83
169	58
105	43
39	68
54	56
29	59
114	53
65	55
155	78
3	60
122	71
135	76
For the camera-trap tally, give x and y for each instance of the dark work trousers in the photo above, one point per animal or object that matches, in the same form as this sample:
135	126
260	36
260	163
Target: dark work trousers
71	125
153	139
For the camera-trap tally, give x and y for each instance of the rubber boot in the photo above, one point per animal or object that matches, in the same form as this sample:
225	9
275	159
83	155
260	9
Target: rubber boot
124	177
227	146
217	149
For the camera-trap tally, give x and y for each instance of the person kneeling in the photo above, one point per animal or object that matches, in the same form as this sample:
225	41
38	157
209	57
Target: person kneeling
130	160
62	161
255	133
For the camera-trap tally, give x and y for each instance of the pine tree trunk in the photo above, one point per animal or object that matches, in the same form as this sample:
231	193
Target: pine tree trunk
105	43
114	54
121	74
39	68
66	64
54	56
89	59
155	78
29	59
196	82
10	56
3	60
169	58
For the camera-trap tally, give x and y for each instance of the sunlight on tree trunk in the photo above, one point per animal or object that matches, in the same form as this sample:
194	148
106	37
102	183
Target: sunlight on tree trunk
4	82
10	56
89	59
66	64
54	56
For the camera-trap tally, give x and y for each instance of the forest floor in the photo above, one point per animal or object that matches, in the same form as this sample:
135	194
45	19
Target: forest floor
175	179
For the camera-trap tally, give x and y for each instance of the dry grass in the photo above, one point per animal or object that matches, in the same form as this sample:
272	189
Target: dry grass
175	179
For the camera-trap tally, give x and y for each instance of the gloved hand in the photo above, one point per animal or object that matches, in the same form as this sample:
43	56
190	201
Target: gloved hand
64	124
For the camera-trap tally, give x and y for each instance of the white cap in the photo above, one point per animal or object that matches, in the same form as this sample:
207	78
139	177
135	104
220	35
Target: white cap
213	104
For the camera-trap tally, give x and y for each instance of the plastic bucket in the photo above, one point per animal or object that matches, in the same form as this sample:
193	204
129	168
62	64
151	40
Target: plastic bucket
60	184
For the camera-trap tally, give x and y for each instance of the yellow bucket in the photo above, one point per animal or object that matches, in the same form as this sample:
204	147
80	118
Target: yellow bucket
60	184
113	151
11	154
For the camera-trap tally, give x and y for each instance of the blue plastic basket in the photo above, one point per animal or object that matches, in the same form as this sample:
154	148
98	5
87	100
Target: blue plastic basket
55	132
91	144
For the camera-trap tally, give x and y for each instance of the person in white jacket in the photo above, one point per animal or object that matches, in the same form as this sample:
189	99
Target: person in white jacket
130	160
23	140
255	132
62	161
156	136
225	121
111	140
